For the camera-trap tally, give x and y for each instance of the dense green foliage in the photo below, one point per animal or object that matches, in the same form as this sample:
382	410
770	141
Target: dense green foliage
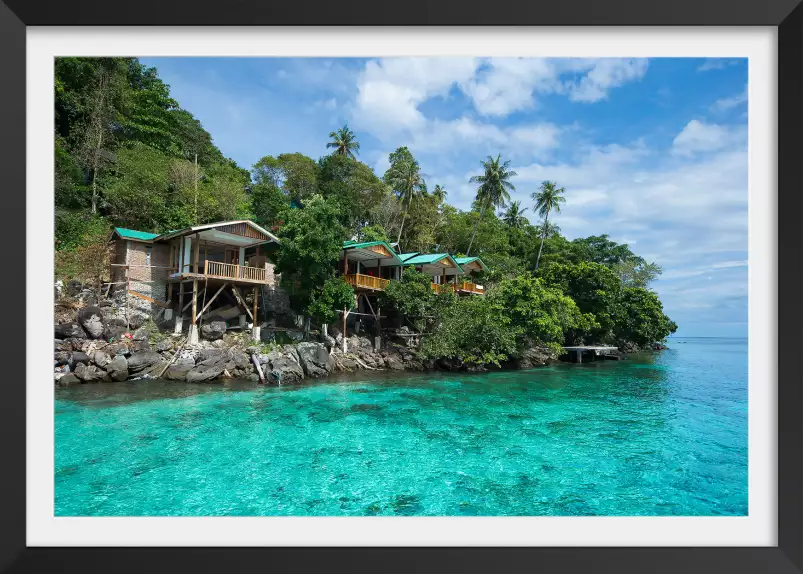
312	238
125	155
472	330
412	297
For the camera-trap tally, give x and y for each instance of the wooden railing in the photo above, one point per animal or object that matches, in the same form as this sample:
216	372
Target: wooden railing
236	272
442	288
366	281
468	286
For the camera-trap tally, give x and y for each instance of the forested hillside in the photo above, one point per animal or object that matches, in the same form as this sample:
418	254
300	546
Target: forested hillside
128	155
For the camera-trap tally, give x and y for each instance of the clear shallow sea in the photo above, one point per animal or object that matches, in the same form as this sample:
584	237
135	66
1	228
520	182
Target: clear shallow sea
662	434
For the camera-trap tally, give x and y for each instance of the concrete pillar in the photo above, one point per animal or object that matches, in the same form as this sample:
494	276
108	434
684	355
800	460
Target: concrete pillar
179	325
168	314
256	333
242	319
377	343
193	335
579	356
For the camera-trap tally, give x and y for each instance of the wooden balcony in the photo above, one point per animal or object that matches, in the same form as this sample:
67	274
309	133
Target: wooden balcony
231	272
359	281
469	287
442	288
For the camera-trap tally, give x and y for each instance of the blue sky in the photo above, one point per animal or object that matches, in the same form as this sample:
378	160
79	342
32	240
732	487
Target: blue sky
652	152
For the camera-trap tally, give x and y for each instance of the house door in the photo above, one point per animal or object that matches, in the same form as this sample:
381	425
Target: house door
233	256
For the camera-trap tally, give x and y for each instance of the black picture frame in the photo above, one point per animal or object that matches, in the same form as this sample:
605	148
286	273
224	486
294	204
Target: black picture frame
787	15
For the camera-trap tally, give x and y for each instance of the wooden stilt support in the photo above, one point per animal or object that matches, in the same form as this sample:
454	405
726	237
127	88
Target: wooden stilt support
180	310
193	334
255	334
345	316
201	314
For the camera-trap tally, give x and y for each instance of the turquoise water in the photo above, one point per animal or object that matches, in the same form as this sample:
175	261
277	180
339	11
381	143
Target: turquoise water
662	434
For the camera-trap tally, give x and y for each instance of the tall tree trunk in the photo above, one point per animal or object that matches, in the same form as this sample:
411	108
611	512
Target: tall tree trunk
406	207
470	243
543	236
96	127
95	173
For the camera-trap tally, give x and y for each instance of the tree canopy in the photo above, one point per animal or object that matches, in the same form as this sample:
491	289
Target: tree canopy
127	154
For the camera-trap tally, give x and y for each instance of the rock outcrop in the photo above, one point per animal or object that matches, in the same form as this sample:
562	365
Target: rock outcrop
91	319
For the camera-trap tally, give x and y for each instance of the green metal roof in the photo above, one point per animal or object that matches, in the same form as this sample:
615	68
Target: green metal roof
134	234
467	260
405	256
354	245
351	244
426	258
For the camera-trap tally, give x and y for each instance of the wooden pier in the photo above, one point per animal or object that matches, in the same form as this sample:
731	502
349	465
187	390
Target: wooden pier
597	352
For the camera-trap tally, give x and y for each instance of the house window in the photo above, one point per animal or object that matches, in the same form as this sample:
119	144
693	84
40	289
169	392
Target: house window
148	249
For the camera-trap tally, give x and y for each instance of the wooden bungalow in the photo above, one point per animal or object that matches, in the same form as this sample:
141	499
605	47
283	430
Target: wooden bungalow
207	257
369	266
468	283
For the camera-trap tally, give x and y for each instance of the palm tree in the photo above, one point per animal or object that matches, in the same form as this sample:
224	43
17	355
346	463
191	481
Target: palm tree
493	190
344	142
439	192
514	216
546	228
547	198
406	180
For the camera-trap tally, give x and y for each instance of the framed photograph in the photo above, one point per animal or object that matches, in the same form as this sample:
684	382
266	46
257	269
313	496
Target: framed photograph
397	291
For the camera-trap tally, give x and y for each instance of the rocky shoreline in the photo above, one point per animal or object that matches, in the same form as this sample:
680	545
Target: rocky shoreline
99	346
81	360
103	343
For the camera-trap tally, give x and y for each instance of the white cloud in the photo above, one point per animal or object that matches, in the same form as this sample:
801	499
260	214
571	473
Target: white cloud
698	136
607	73
718	64
389	91
725	104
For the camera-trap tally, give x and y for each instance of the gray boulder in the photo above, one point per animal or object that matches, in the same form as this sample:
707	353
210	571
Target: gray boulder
164	345
62	358
241	360
178	371
140	334
394	362
91	319
62	345
118	349
137	319
89	373
142	346
80	357
101	359
284	370
204	373
67	380
70	330
206	355
213	330
117	368
314	359
139	361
